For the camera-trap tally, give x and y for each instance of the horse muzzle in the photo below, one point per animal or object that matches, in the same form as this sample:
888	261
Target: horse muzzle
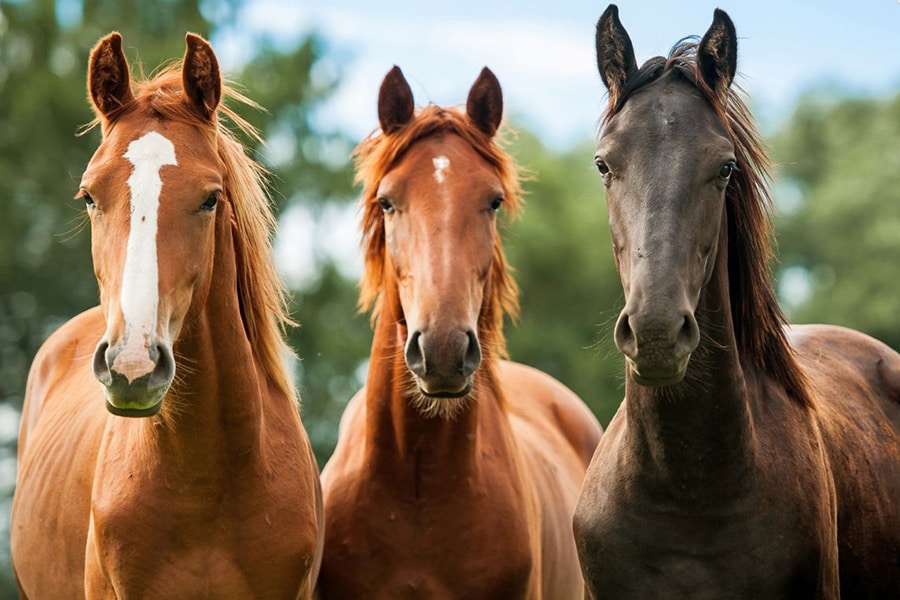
134	382
657	349
443	366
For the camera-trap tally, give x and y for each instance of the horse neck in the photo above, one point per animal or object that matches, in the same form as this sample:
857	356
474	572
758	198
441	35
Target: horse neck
403	443
701	426
216	409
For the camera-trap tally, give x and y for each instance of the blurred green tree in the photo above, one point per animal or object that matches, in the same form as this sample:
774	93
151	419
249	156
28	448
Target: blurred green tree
570	292
839	229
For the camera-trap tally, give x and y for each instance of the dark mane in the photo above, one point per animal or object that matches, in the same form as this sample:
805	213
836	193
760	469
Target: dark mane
759	322
375	156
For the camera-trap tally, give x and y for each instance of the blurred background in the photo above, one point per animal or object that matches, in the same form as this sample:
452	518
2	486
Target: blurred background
823	79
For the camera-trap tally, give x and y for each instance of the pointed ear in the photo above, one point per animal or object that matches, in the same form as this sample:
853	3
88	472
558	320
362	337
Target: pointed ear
484	107
615	54
717	54
109	81
200	76
395	101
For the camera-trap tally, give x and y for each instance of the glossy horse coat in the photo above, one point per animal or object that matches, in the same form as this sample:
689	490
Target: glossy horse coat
748	460
456	472
161	454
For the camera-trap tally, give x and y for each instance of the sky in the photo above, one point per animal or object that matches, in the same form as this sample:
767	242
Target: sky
543	51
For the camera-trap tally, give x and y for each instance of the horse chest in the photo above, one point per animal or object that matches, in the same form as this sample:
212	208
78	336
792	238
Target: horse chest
634	545
157	536
384	544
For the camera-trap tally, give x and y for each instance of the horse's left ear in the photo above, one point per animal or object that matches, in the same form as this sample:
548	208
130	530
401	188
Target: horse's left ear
200	76
484	106
109	81
717	54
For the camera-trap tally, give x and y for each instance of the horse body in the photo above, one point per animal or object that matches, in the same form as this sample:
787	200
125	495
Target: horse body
748	459
211	489
465	490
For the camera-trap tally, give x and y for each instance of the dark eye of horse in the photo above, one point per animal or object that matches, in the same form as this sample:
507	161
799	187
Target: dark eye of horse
210	202
88	200
726	170
496	202
602	167
386	205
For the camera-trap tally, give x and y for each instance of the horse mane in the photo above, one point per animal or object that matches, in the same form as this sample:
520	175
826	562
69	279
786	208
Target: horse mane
261	293
759	321
376	155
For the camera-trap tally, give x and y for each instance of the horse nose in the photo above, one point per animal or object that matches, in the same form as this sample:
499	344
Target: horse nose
134	387
446	361
657	344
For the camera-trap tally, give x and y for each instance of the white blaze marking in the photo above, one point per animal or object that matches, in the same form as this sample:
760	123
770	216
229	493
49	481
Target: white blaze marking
441	163
140	280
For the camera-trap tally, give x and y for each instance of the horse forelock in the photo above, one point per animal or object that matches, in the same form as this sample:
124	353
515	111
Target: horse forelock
376	155
262	294
757	316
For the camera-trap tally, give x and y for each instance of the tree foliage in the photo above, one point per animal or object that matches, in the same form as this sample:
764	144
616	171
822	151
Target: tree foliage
840	238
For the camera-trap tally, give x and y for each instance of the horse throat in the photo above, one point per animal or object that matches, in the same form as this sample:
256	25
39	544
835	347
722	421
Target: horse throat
685	433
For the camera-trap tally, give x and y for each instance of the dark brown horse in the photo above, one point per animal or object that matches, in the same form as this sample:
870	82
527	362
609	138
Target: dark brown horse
749	459
161	454
456	473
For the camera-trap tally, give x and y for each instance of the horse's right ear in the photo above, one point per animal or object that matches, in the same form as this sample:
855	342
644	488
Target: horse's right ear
395	101
109	81
615	54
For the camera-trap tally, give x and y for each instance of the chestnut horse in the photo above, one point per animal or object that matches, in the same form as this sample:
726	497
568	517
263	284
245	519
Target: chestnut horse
211	489
456	473
749	459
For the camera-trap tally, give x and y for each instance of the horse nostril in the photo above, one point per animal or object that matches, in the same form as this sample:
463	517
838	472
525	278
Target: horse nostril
164	371
689	334
472	356
415	358
624	335
101	363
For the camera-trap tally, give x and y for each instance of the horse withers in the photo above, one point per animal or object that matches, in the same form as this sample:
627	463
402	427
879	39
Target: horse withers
161	453
749	459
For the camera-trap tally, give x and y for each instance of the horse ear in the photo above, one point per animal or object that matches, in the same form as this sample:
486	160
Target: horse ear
484	107
395	101
615	54
109	81
200	76
717	54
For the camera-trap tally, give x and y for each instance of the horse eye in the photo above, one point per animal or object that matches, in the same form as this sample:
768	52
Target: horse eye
496	203
210	203
726	170
88	200
602	167
386	205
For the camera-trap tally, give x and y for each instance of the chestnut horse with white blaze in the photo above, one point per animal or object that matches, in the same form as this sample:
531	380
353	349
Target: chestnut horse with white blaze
749	459
456	472
161	453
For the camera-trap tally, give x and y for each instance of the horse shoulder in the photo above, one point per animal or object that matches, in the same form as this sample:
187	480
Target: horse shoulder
347	455
855	380
64	357
545	405
62	423
557	435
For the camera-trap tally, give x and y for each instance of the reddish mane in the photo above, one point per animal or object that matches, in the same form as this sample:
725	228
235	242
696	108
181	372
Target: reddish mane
374	158
262	294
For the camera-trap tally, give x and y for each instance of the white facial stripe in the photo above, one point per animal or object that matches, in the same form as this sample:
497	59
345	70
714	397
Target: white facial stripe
441	163
140	280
